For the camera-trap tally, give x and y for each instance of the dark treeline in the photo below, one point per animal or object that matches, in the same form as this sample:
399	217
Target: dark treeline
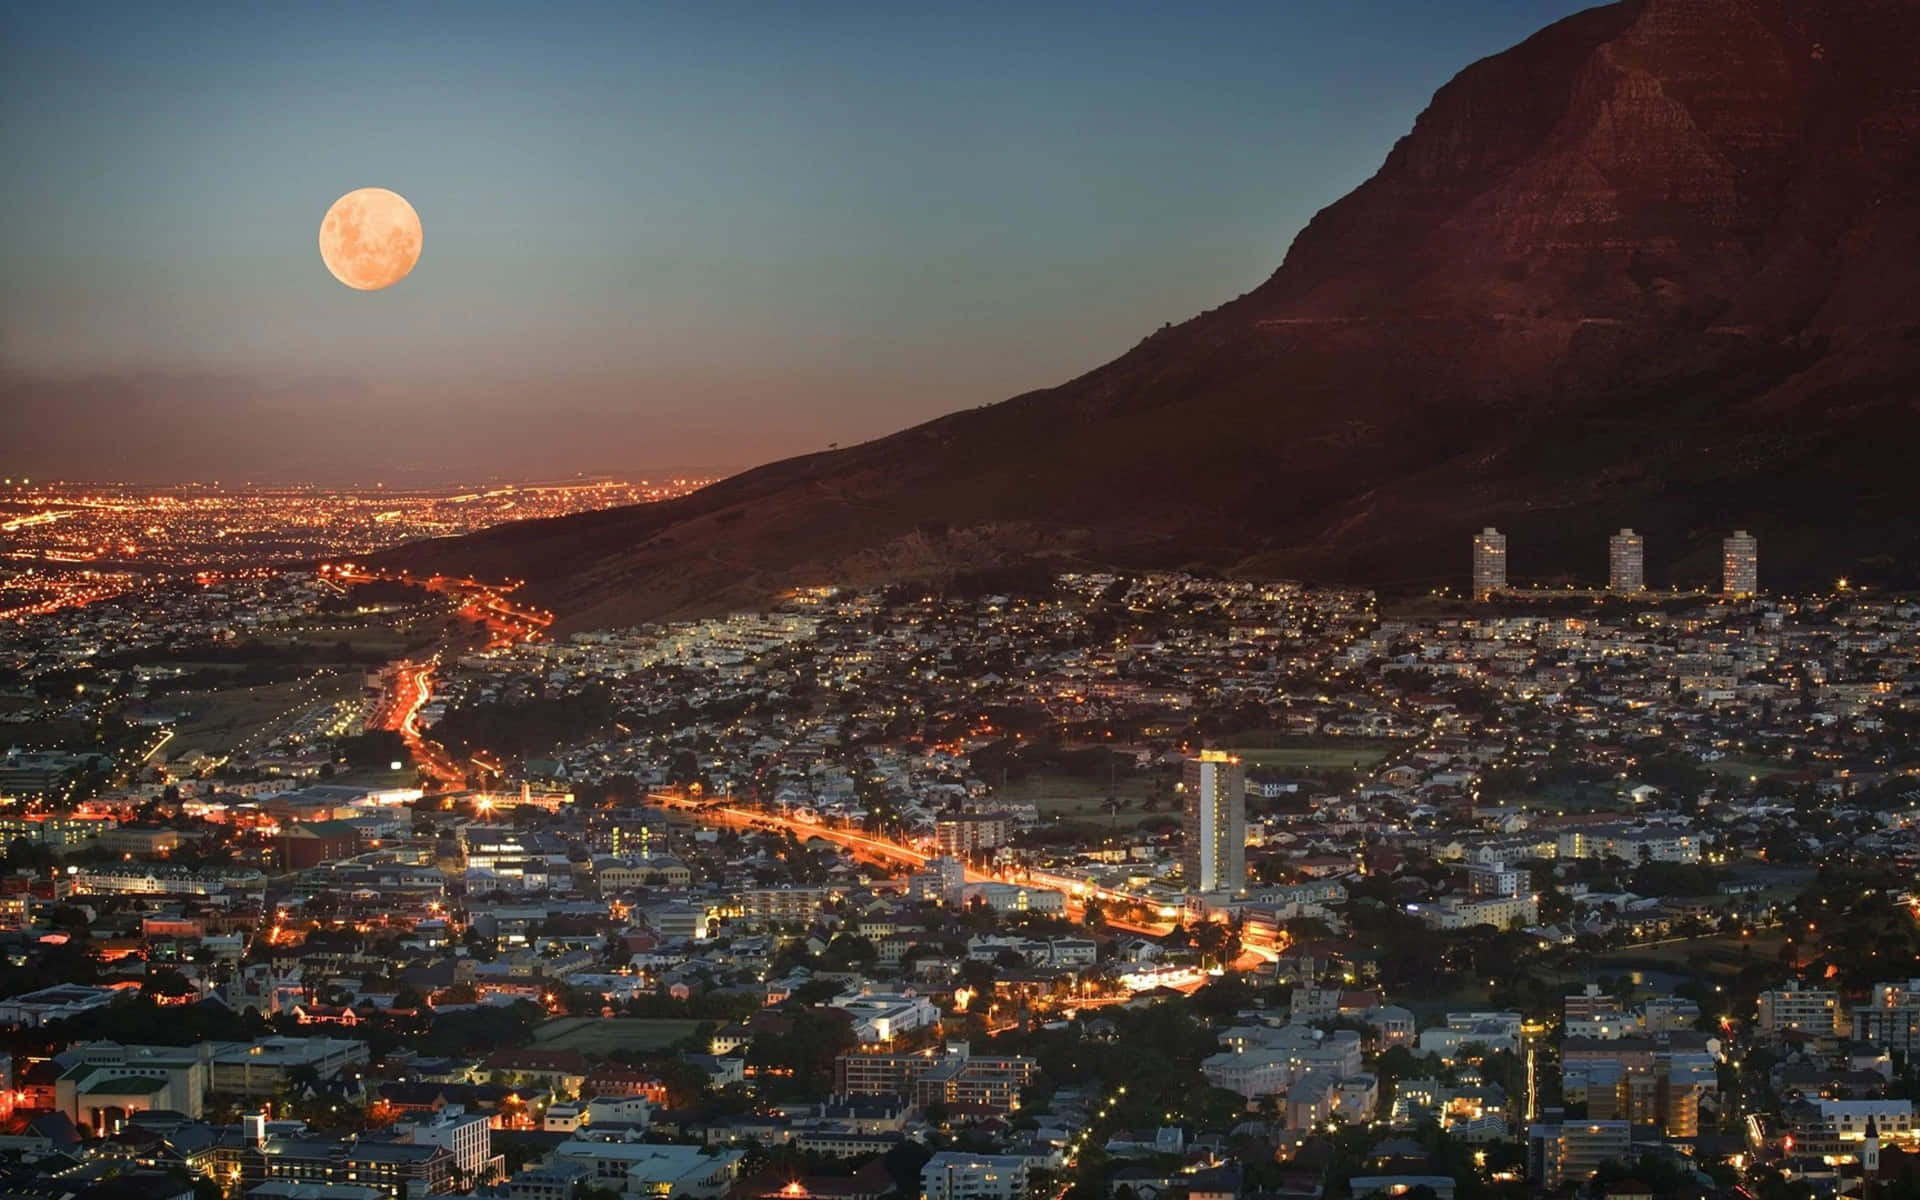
251	651
522	727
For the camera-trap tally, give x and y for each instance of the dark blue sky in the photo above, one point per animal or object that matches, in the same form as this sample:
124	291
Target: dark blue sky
705	233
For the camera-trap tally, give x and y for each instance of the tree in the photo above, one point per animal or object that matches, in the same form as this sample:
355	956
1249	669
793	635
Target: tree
1096	915
29	854
166	983
801	1062
1210	938
903	1163
850	948
373	750
1224	996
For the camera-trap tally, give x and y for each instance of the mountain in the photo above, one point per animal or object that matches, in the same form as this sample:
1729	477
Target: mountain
1657	265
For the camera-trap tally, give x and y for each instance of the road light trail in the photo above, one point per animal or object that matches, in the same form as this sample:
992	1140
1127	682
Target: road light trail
1256	954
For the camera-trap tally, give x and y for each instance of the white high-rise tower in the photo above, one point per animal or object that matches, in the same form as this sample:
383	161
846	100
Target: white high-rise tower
1489	563
1214	858
1740	564
1626	562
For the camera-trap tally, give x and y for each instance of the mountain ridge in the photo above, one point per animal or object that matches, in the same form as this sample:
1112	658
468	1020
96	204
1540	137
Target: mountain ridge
1656	265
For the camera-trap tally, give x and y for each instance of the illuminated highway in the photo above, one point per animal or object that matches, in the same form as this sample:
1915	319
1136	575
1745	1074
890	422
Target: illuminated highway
67	594
410	686
891	853
409	683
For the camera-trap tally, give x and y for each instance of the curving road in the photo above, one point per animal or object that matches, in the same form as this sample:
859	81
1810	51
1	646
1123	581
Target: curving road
891	853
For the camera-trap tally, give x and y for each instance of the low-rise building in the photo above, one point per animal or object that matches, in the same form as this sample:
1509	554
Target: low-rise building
952	1175
56	1003
1572	1151
467	1136
400	1171
263	1068
654	1169
956	1076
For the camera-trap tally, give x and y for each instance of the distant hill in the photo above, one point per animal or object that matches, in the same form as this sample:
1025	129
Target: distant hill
1658	265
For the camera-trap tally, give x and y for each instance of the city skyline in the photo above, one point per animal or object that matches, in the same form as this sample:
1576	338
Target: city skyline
1336	737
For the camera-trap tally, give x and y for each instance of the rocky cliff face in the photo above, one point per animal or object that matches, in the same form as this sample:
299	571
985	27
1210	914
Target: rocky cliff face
1657	265
1645	162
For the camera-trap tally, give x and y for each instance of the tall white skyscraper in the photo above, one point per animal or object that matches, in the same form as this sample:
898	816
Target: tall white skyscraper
1214	858
1489	562
1626	562
1740	564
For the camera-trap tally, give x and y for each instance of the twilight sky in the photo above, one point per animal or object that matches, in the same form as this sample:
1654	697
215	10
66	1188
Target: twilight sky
656	235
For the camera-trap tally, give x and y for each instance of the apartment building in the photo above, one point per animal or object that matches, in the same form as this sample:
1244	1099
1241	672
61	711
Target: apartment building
1791	1007
1890	1018
968	835
958	1076
950	1175
467	1136
1572	1151
781	905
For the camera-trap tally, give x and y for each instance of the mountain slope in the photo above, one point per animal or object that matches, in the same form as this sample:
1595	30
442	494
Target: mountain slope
1657	265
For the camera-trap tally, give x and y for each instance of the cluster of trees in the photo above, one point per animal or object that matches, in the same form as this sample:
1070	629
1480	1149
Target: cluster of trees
1014	759
1651	878
1864	931
902	1163
373	750
1025	580
471	1032
519	728
798	1065
610	791
718	1007
51	963
1351	1147
252	651
1218	942
143	1020
1152	1053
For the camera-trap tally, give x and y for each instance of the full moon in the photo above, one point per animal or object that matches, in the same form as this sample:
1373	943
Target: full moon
370	239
